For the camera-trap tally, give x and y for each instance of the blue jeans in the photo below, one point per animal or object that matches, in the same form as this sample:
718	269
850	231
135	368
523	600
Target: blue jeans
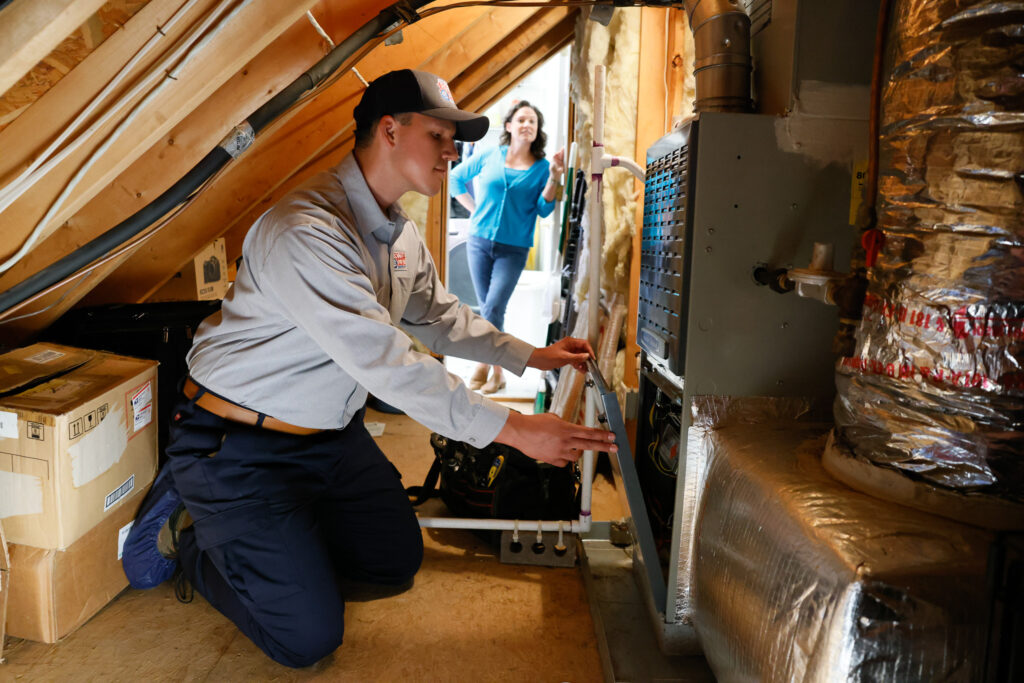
494	268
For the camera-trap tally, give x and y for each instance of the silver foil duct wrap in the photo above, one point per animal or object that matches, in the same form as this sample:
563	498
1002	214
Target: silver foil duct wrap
800	578
707	415
935	389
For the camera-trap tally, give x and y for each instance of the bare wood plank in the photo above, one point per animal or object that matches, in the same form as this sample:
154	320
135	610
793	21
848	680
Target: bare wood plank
92	31
241	37
435	233
285	158
32	28
489	91
651	123
58	106
489	65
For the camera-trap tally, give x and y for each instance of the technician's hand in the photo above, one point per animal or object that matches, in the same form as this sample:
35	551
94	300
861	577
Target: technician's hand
565	351
548	438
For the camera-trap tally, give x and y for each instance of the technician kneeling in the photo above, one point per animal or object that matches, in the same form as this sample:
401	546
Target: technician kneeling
288	494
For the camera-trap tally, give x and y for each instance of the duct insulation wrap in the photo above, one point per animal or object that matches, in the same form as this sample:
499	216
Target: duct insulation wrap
934	393
800	578
707	415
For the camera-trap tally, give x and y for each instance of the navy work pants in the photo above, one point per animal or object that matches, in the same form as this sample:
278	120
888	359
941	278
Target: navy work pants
279	518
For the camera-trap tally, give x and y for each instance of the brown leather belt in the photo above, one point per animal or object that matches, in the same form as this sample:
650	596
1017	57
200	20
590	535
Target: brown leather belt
236	413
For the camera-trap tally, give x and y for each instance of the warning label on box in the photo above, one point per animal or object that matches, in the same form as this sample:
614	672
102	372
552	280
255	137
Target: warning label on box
142	406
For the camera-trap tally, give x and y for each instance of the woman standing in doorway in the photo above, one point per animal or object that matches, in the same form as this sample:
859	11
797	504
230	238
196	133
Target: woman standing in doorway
514	185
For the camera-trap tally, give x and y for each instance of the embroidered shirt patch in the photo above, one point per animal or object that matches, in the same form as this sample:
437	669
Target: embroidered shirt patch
398	260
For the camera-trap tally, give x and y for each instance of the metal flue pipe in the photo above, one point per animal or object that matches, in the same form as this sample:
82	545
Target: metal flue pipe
721	36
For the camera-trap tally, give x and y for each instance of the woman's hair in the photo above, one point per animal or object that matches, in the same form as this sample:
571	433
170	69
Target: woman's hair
537	146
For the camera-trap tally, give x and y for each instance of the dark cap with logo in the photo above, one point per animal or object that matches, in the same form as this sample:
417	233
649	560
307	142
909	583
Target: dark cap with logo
406	90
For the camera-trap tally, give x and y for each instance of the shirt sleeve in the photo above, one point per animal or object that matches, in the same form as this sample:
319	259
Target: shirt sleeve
544	207
437	318
317	276
458	179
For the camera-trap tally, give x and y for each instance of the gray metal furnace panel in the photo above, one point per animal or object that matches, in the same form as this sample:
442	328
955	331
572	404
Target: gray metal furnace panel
754	204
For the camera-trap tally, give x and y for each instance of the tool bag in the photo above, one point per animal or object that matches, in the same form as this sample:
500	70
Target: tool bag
498	482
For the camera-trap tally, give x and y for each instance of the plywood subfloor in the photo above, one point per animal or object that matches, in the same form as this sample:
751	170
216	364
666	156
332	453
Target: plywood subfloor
467	618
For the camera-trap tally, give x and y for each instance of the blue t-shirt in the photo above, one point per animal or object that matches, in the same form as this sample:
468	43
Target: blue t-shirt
507	204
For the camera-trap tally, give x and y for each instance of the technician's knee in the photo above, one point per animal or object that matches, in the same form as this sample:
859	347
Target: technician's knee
402	566
315	639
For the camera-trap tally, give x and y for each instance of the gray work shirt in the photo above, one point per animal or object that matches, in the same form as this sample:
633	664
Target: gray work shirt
310	324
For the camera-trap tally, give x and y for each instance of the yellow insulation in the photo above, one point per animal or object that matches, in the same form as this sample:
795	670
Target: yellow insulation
617	46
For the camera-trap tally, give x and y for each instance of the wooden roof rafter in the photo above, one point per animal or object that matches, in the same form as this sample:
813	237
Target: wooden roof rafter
307	145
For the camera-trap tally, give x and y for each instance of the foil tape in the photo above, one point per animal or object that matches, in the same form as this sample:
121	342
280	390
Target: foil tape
935	388
800	578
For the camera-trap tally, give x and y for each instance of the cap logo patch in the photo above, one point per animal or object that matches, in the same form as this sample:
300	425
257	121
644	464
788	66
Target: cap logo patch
446	94
398	260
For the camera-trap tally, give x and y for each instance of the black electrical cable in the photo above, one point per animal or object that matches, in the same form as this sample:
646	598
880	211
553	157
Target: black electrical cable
216	159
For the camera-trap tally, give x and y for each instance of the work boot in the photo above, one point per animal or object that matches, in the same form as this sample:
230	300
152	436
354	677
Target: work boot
145	564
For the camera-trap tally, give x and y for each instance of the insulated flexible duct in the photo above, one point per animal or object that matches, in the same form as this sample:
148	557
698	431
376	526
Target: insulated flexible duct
934	392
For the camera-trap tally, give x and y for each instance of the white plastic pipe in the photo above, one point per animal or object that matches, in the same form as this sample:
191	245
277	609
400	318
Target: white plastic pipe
596	210
626	163
523	525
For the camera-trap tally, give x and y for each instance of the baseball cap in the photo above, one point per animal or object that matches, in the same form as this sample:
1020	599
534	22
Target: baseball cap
408	90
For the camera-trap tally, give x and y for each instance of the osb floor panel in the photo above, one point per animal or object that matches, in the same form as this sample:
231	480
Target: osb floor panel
467	618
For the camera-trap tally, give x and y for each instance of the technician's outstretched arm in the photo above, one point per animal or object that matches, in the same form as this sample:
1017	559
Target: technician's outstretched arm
548	438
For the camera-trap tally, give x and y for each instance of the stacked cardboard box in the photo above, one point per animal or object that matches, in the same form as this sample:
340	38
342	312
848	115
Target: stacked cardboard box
5	582
77	452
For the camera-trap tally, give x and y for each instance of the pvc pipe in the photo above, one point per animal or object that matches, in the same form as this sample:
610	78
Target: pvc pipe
521	525
588	464
596	209
626	163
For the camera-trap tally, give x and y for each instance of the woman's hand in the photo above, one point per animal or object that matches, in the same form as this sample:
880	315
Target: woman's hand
555	168
565	351
558	164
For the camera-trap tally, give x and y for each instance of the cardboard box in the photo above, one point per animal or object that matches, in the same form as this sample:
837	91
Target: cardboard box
5	583
206	278
77	440
53	592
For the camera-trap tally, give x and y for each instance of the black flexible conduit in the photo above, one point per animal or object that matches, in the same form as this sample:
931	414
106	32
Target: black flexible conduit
215	160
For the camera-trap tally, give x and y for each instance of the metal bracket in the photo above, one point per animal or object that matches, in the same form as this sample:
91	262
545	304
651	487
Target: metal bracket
543	553
640	525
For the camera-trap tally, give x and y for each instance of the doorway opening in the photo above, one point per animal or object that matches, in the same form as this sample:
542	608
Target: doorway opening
535	299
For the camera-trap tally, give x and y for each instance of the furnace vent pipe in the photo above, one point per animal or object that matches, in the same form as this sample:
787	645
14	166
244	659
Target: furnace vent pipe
721	36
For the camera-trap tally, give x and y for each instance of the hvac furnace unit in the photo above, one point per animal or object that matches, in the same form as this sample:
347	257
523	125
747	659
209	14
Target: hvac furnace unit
727	194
